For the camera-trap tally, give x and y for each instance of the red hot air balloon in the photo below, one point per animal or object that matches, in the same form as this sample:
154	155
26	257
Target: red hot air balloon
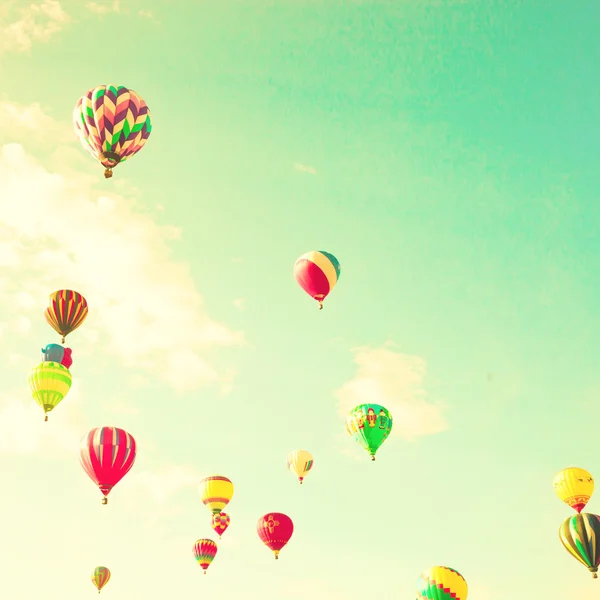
106	455
317	272
205	551
275	531
220	523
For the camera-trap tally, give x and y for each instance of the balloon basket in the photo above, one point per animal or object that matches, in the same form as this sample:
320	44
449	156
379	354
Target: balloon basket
45	418
104	500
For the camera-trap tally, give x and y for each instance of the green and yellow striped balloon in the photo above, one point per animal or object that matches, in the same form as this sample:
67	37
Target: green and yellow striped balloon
49	383
580	535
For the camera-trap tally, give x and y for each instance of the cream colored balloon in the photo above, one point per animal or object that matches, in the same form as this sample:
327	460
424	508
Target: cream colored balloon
300	462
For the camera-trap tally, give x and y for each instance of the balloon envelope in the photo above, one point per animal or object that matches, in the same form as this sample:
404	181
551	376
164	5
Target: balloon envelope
220	523
49	383
100	577
370	425
580	535
300	462
441	583
112	123
107	454
574	486
317	272
215	492
205	551
275	530
66	311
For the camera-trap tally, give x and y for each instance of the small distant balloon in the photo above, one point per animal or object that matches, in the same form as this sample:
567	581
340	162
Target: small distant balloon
205	551
300	462
100	577
275	530
441	583
220	523
66	311
317	272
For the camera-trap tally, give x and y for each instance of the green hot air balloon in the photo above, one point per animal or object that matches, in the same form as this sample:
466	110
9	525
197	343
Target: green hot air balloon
49	383
369	424
580	535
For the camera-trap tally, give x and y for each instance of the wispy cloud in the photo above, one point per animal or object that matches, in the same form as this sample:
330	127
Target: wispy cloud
20	27
102	9
395	381
240	303
162	484
305	169
58	232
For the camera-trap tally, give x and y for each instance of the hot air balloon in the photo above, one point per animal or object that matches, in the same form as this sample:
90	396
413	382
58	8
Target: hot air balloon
112	123
205	551
574	487
370	425
317	272
275	530
215	492
441	583
106	455
100	577
66	311
57	353
580	535
220	523
300	462
49	383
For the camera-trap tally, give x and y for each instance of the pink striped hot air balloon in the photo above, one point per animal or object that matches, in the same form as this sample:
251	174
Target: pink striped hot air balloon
112	123
317	272
107	454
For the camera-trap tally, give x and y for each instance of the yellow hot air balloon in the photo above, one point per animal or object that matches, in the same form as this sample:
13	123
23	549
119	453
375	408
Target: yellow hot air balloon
441	583
300	462
215	492
49	383
574	486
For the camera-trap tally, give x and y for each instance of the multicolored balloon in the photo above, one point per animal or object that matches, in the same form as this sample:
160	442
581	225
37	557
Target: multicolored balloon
57	353
112	123
275	530
107	454
441	583
317	272
300	462
370	425
220	523
215	492
66	311
49	383
205	551
580	535
100	577
574	487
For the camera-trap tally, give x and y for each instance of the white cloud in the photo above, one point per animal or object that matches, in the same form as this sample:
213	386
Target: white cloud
30	22
58	232
395	381
240	303
102	9
305	168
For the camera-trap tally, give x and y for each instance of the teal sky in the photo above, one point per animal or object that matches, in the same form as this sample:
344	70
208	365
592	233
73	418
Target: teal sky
445	152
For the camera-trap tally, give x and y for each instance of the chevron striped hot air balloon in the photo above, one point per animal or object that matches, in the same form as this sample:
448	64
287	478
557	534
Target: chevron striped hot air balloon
66	311
205	551
574	487
580	535
112	123
215	492
49	383
107	454
369	425
220	523
100	577
441	583
317	272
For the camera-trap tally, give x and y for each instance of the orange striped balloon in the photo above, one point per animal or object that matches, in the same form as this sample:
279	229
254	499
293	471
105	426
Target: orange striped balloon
66	311
100	577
